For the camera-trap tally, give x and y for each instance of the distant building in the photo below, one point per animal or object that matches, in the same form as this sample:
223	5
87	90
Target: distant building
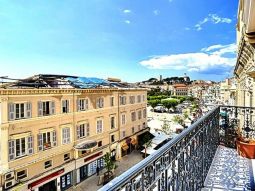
180	90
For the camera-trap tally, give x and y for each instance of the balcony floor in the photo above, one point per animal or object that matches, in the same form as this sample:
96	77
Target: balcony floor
229	171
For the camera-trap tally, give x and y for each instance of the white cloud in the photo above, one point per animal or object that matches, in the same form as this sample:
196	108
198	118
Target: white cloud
126	11
127	21
187	28
170	1
213	18
156	12
204	62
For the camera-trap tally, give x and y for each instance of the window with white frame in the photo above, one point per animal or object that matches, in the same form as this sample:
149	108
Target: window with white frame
19	147
19	110
112	122
131	99
111	101
82	104
133	116
122	100
139	114
65	106
144	113
123	119
66	135
21	174
99	126
82	130
139	99
100	102
47	140
46	108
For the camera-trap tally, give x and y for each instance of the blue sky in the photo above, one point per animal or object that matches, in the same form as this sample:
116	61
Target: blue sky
129	39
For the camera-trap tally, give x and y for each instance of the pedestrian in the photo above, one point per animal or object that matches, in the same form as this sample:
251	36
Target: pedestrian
97	171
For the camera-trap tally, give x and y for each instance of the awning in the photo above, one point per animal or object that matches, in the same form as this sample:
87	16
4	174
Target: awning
125	147
86	145
133	141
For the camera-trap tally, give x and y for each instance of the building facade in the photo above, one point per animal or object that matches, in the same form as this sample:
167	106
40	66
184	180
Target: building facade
245	65
43	130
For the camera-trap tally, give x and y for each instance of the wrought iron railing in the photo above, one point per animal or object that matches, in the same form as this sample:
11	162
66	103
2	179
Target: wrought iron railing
183	163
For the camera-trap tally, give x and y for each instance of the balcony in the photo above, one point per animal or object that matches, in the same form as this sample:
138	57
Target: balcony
203	157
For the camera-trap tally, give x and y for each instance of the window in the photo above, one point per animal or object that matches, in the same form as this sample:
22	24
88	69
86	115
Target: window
65	106
20	147
132	99
139	114
66	156
19	111
47	140
122	100
133	116
111	101
100	103
144	125
139	127
139	99
112	122
66	135
144	113
112	138
48	164
123	133
46	108
99	126
133	129
82	130
21	174
123	119
143	98
99	144
82	104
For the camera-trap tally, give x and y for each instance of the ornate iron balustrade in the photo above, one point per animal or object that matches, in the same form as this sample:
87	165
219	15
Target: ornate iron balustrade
183	163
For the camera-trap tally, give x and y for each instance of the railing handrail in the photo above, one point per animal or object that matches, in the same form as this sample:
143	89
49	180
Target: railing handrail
118	181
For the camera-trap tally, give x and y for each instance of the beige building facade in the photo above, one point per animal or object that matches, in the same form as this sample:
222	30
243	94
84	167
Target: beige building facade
52	139
245	66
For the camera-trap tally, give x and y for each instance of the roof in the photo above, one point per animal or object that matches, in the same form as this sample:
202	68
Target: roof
63	82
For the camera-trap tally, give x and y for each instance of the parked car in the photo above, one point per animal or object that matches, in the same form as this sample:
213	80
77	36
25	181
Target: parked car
160	108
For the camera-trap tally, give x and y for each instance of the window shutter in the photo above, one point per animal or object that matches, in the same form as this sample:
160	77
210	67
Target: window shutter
78	105
63	136
11	150
98	102
29	110
67	106
30	145
40	108
102	105
63	105
87	104
40	142
78	131
54	139
11	111
87	129
52	107
68	135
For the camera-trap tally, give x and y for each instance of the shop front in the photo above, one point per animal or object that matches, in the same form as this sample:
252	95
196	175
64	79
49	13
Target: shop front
90	168
128	146
47	183
66	181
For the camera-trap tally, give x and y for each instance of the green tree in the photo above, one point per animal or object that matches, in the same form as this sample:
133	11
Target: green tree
153	103
109	163
147	143
178	119
166	128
